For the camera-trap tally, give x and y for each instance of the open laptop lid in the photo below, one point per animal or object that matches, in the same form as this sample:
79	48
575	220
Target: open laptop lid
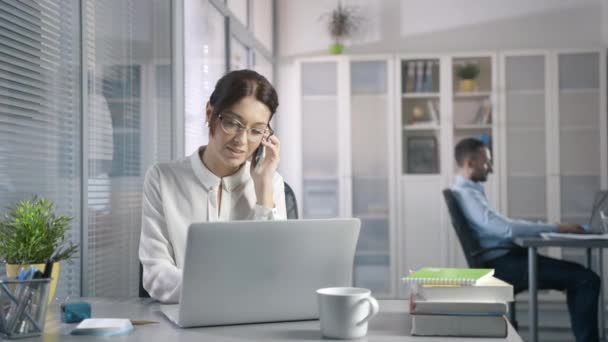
600	204
263	271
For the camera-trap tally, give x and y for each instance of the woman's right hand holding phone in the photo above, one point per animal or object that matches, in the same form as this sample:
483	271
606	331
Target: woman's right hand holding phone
263	173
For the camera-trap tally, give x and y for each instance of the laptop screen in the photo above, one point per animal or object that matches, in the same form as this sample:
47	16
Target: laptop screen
600	204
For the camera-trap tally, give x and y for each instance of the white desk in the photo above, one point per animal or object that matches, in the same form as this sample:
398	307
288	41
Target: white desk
536	242
391	324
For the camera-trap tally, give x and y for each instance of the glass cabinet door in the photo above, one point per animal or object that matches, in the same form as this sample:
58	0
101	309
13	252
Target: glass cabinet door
579	138
370	184
579	134
525	160
319	96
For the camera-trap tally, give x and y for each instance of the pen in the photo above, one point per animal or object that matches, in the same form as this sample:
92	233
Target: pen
23	302
22	274
48	268
11	316
12	297
19	323
2	321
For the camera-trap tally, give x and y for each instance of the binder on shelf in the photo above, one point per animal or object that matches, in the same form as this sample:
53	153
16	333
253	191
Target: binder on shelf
419	76
411	77
428	77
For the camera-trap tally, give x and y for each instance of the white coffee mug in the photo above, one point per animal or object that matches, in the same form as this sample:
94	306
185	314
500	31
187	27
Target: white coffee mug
345	311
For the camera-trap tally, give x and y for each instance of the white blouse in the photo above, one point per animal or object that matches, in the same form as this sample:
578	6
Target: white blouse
184	191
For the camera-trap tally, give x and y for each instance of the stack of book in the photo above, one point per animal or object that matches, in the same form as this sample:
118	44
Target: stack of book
458	302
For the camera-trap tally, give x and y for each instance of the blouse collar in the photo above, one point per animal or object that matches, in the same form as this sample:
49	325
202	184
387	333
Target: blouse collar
210	181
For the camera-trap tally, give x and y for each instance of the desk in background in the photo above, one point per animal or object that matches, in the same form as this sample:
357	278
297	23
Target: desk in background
533	244
391	324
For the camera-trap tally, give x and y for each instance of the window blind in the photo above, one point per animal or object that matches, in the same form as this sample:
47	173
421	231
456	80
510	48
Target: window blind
205	64
40	111
128	62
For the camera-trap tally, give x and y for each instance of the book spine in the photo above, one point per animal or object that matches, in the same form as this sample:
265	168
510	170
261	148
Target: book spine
419	75
461	293
428	77
411	77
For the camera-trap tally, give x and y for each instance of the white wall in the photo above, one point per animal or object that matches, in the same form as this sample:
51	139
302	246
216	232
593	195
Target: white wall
447	25
604	23
418	26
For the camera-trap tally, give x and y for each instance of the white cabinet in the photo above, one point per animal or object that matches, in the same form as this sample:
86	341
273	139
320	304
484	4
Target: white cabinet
378	137
345	108
554	137
524	136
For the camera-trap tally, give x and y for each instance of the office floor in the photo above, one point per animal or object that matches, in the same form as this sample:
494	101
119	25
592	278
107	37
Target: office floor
554	321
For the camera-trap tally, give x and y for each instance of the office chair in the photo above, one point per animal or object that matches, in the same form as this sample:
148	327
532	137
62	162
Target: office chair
291	206
142	292
470	244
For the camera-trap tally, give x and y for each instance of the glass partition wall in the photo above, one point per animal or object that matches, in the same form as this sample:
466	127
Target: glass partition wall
128	63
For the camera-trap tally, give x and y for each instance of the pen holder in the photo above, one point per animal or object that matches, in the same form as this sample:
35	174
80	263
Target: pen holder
23	306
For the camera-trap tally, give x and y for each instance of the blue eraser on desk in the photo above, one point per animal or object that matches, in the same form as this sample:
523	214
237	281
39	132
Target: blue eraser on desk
586	227
74	312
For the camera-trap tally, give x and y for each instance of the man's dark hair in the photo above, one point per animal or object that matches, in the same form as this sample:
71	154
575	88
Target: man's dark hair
467	148
236	85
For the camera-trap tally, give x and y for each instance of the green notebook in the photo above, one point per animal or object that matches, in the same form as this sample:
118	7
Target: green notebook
449	276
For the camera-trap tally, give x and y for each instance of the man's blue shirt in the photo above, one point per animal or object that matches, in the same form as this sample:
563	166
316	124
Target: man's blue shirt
492	228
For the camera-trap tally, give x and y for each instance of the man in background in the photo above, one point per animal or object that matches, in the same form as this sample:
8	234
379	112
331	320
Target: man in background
511	264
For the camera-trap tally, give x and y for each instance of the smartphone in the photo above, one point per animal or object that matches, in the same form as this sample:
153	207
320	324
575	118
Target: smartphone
258	155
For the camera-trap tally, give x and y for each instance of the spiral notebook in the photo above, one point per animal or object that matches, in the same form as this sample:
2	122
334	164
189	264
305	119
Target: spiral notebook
449	276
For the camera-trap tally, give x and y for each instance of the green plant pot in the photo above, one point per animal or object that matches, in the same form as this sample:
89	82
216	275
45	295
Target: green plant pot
336	48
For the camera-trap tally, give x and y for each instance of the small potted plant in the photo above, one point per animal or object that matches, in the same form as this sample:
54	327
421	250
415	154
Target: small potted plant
467	74
342	23
30	234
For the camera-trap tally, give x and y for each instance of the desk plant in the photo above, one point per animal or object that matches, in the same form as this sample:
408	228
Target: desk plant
468	74
31	233
342	23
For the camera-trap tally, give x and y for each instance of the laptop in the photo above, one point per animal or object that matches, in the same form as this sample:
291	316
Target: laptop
600	208
262	271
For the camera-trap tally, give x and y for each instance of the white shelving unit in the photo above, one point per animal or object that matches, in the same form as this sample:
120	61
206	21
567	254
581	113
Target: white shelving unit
375	148
554	137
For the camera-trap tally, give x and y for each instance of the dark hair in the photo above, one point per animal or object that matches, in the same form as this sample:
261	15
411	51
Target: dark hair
467	148
236	85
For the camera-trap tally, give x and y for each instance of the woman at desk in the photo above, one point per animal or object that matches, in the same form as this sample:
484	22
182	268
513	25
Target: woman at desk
218	182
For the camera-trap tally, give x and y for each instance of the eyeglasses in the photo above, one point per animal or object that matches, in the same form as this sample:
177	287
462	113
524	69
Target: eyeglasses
233	127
